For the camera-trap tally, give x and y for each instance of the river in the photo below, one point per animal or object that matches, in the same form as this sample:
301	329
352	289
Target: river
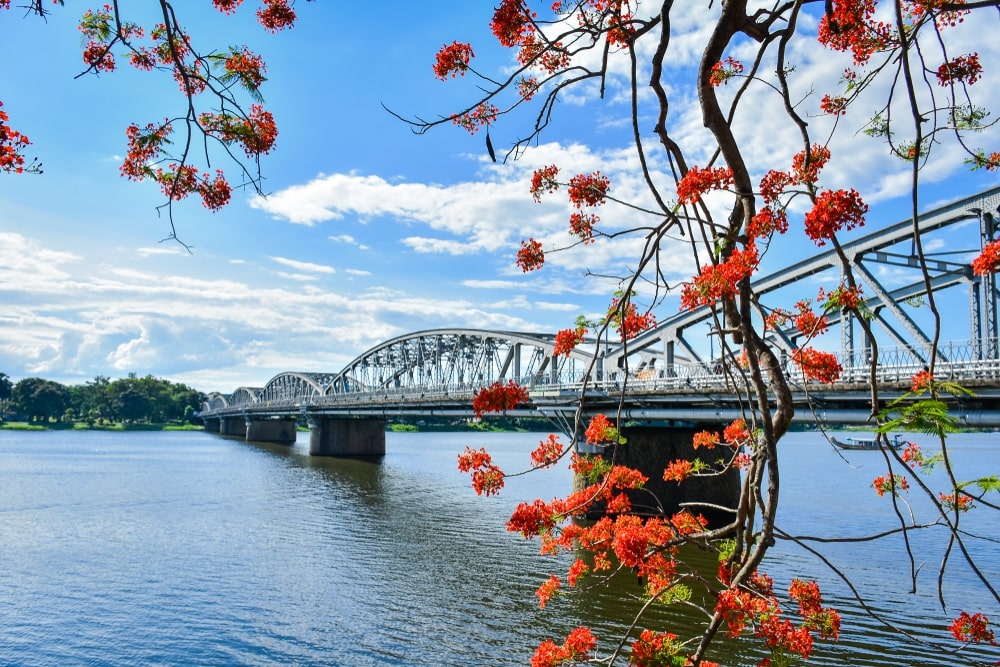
185	548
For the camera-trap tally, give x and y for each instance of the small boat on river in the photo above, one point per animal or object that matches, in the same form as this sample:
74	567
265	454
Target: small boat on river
851	442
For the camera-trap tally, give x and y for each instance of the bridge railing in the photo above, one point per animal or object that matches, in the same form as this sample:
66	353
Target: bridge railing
964	362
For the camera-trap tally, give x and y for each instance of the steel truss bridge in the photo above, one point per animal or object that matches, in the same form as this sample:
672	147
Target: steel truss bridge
667	375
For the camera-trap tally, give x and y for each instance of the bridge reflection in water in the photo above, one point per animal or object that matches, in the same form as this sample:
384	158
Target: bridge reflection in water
670	382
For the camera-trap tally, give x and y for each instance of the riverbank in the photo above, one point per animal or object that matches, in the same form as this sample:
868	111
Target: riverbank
85	426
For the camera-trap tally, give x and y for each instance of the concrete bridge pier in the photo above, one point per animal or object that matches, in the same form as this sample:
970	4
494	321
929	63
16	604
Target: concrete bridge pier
234	426
348	437
650	449
281	431
212	424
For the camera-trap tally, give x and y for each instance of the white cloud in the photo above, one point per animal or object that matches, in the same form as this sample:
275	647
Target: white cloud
304	266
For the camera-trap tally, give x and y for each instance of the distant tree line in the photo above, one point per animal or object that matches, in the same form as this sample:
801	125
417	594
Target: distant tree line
101	400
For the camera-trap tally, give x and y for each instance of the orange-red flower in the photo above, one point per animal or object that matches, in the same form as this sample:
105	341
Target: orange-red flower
530	256
453	60
833	211
499	397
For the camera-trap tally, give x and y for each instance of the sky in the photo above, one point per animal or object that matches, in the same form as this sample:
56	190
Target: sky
369	230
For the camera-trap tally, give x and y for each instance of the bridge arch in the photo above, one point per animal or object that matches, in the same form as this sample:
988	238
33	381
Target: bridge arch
215	401
244	396
459	358
294	387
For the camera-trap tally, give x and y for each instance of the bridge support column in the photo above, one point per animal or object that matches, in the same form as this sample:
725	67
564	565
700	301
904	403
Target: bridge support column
236	426
650	449
281	431
212	425
346	437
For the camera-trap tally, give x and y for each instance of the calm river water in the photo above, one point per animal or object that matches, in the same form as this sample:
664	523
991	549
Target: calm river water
191	549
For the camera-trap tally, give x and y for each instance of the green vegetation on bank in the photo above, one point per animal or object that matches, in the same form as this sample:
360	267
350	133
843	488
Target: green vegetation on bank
130	403
85	426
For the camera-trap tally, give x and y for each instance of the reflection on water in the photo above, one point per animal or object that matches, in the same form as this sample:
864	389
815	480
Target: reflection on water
187	548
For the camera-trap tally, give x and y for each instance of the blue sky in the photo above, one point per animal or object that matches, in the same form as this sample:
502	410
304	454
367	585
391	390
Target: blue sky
370	231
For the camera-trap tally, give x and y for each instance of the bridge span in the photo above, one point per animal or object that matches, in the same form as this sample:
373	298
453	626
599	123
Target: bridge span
667	375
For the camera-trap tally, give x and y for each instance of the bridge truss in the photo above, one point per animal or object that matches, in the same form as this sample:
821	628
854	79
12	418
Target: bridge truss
667	373
886	264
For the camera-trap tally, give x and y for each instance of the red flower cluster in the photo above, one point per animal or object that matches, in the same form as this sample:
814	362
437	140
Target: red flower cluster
453	60
766	222
818	618
99	29
215	193
773	184
547	590
851	27
922	381
619	27
720	281
757	608
487	478
842	298
484	114
246	66
806	167
12	143
499	397
530	256
589	190
576	648
956	501
568	339
527	86
736	434
276	15
170	48
833	211
912	455
808	322
178	181
962	69
705	439
835	106
891	484
99	57
659	649
601	430
988	261
550	57
257	133
629	321
144	147
582	225
723	71
815	365
544	180
974	628
512	23
548	452
697	182
227	6
678	470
